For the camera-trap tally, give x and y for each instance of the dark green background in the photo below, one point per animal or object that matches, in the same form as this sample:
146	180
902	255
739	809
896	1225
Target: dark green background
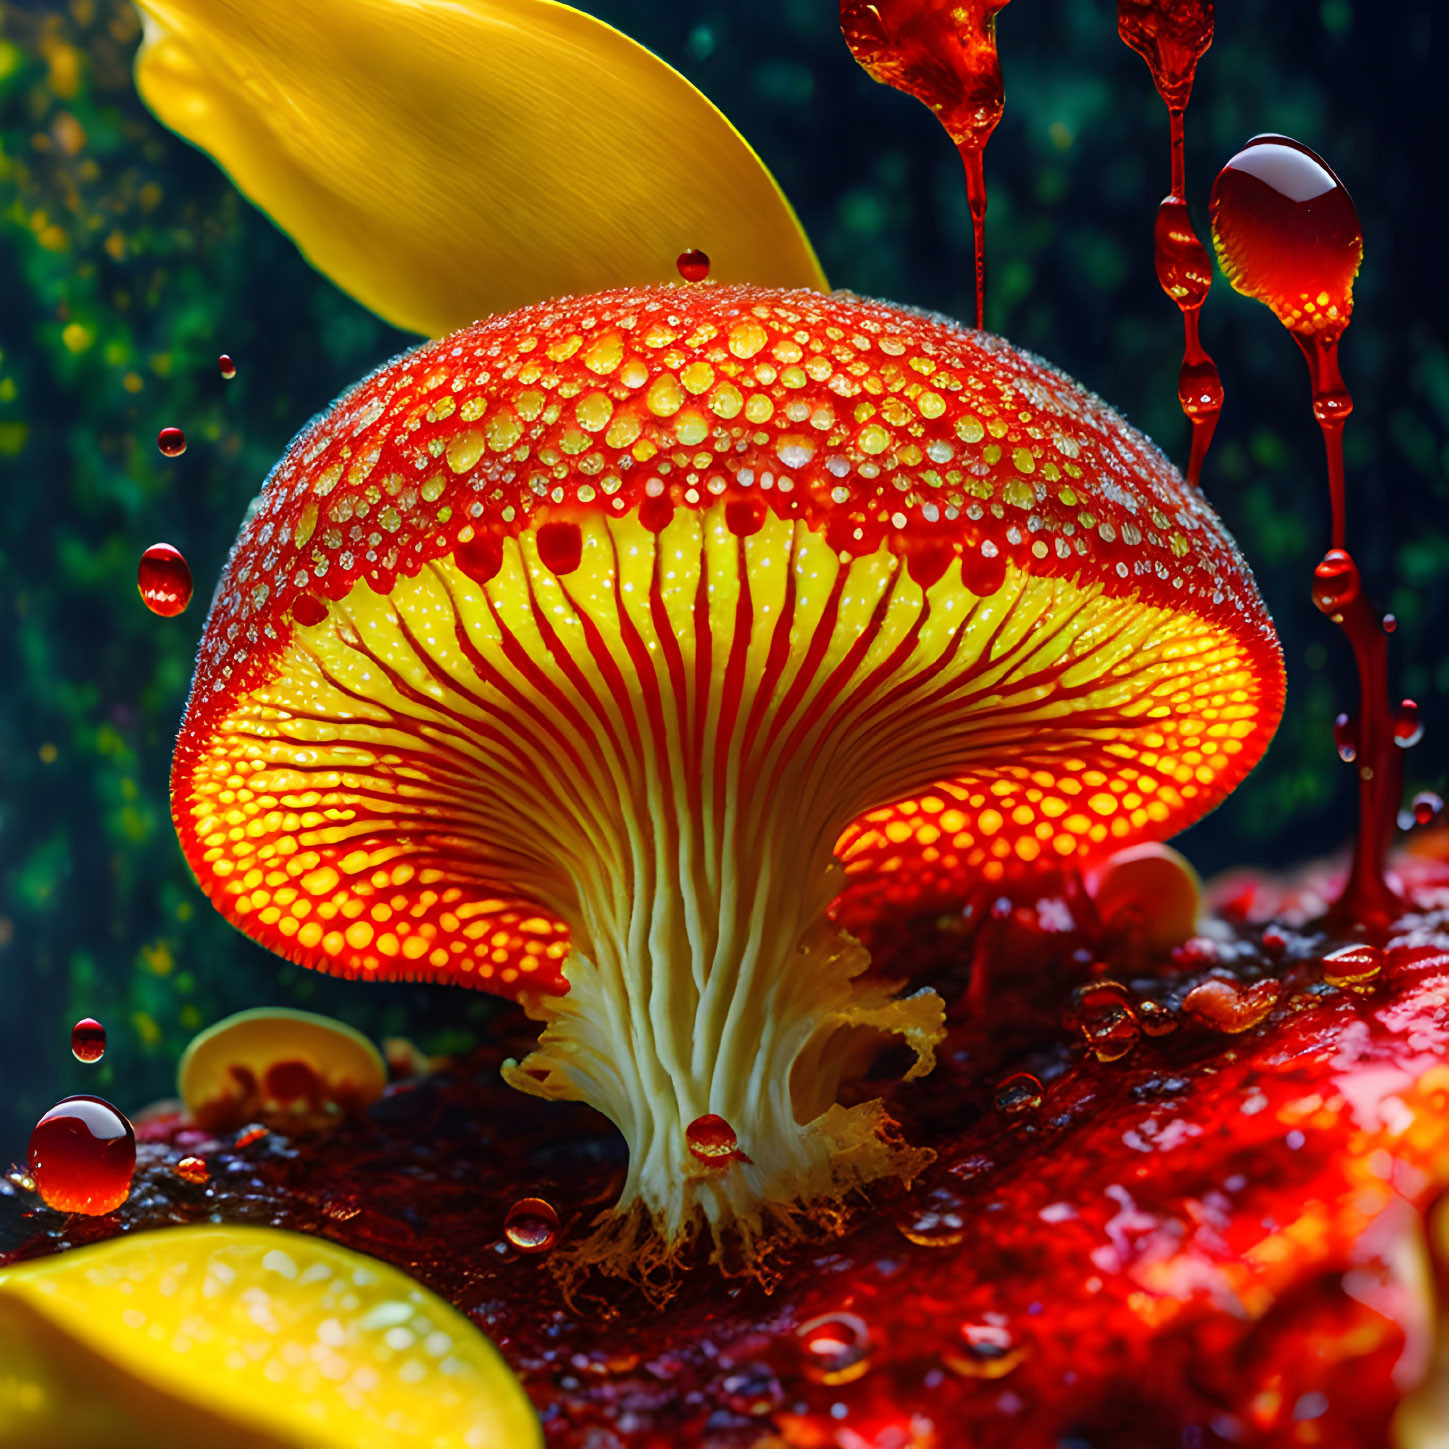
127	264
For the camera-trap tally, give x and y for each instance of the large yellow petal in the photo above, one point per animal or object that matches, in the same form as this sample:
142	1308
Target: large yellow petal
445	159
243	1338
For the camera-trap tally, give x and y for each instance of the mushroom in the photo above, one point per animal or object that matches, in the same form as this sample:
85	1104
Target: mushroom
596	654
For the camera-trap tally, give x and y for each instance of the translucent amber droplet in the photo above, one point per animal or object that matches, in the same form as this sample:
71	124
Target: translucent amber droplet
88	1040
1102	1012
1019	1095
835	1348
711	1139
164	580
1229	1008
1350	965
193	1169
171	441
1287	234
226	367
693	265
252	1134
82	1155
1156	1019
531	1225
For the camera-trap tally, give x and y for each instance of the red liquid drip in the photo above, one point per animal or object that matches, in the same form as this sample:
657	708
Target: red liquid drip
712	1140
1427	807
171	441
1172	36
82	1155
226	367
693	265
308	610
532	1225
1286	233
164	579
942	52
88	1040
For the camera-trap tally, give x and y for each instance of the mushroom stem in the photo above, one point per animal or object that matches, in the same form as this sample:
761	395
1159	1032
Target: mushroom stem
706	979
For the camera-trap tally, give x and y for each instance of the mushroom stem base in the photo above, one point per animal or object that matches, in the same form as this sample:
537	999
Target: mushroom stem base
769	1060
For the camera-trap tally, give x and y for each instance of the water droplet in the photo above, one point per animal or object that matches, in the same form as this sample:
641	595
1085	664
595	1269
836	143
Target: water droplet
226	367
255	1132
192	1169
986	1351
938	1220
164	579
1408	726
532	1225
88	1040
1102	1012
1156	1019
1018	1095
1427	807
82	1155
752	1389
836	1348
1345	738
1230	1008
171	441
711	1139
1350	965
693	265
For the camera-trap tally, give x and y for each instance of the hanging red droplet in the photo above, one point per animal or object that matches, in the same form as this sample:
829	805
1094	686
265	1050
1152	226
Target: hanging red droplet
82	1156
193	1169
1287	233
1427	807
308	610
1335	582
560	547
712	1140
480	557
745	517
1171	36
226	367
88	1040
531	1225
1408	726
171	441
693	265
164	579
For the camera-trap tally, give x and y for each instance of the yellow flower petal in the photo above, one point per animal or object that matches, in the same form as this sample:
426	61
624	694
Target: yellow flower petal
445	159
235	1336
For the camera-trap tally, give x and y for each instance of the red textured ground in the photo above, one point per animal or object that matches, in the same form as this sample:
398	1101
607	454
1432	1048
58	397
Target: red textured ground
1201	1242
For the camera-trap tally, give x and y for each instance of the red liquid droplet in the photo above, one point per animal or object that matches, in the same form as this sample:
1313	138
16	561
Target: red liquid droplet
193	1169
835	1348
164	579
171	441
1427	807
1408	727
1171	36
307	610
712	1140
942	52
226	367
248	1135
1335	583
1018	1095
480	558
560	547
82	1156
88	1040
532	1225
745	517
693	265
1231	1008
1351	964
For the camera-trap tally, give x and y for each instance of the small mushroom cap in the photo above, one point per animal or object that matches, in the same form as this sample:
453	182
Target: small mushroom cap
423	648
272	1059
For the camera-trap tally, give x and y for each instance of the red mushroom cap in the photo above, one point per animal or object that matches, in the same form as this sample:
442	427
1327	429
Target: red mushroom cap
1133	681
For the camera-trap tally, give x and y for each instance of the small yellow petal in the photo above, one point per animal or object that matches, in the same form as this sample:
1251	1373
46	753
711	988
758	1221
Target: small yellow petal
446	159
238	1336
